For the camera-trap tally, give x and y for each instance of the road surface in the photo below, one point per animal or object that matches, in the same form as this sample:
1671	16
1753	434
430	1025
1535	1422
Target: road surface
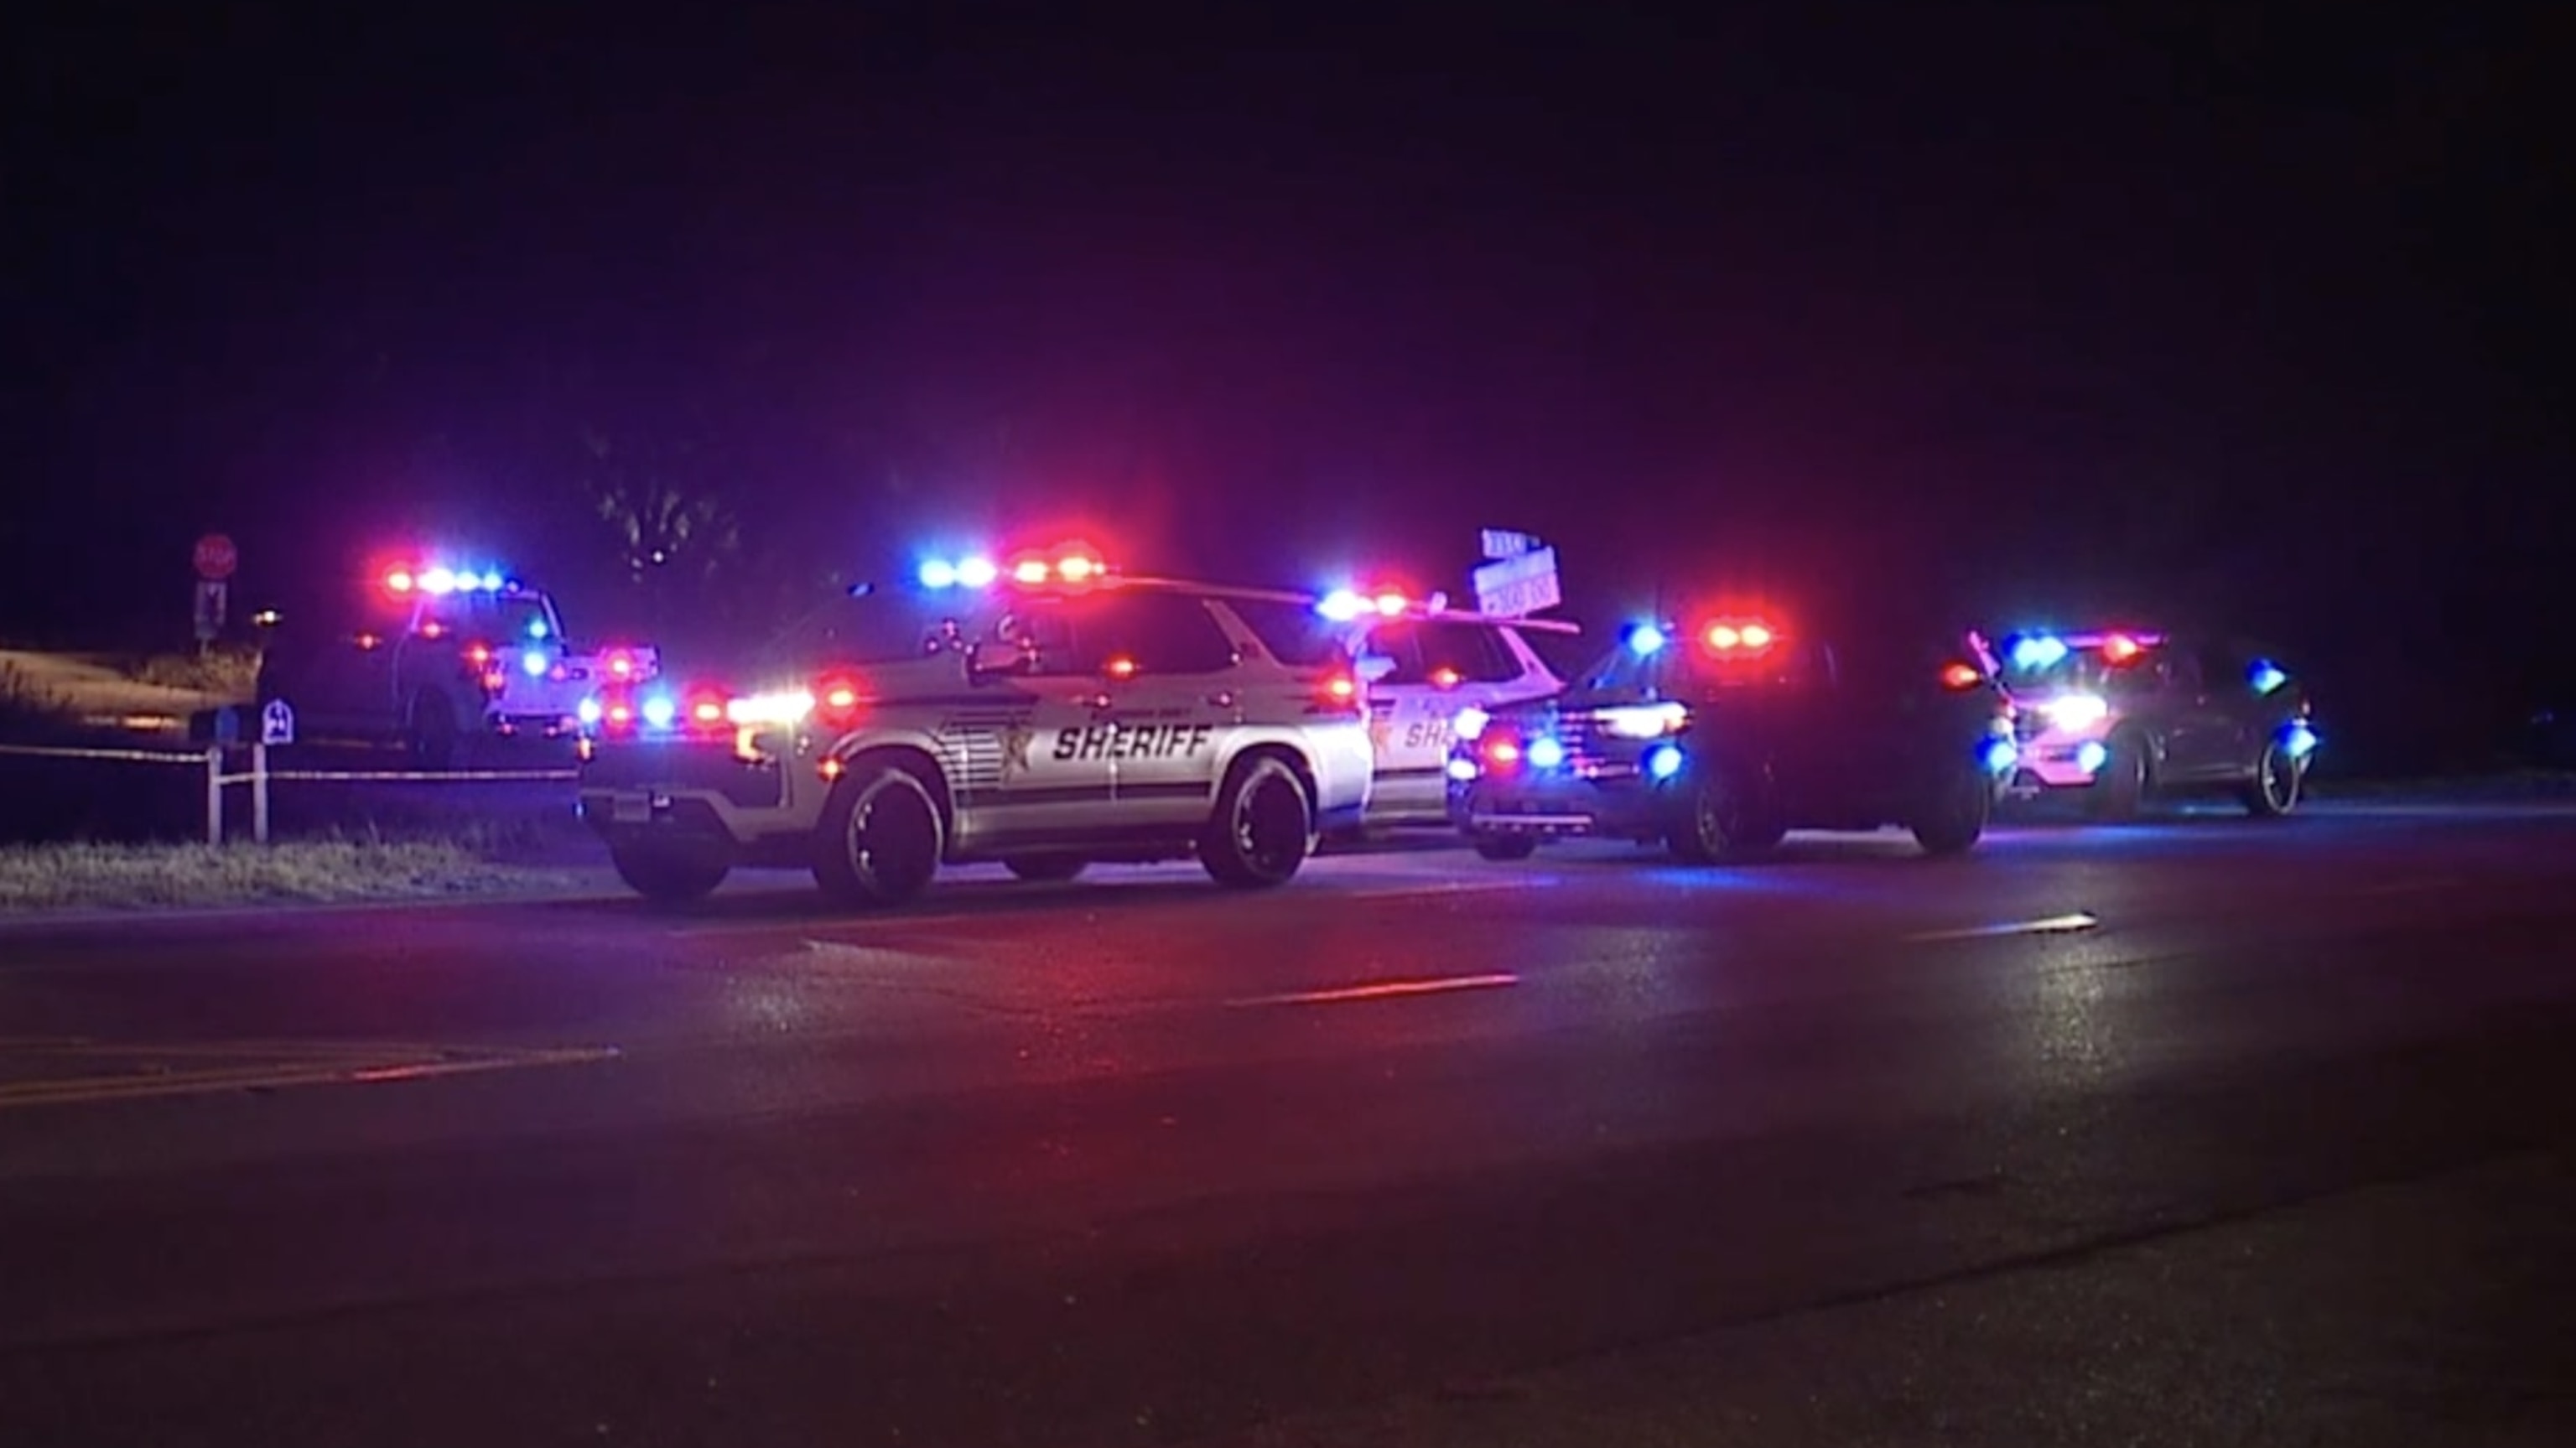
2198	1131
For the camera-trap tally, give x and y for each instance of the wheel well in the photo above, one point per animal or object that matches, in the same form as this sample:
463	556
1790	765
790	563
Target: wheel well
1296	762
918	764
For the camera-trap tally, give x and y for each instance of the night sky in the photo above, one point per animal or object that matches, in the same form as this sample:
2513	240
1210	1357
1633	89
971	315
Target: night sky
2244	309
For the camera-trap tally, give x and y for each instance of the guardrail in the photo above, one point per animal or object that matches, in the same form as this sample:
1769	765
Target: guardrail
259	776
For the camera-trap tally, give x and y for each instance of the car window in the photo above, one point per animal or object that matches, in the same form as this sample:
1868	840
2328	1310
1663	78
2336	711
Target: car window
1149	634
1294	633
1444	653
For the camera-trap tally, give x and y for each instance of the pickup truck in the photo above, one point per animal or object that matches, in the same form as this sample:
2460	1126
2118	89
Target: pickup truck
428	668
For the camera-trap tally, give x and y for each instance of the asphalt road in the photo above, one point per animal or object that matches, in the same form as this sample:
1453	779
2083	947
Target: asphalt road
2200	1131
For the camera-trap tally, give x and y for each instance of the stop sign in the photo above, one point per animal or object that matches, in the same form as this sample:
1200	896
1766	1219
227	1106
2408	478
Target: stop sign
216	558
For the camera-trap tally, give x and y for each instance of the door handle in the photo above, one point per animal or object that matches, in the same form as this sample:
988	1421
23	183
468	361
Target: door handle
1100	703
1222	698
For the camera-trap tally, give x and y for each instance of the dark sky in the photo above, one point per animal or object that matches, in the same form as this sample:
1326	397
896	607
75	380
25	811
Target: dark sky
2161	304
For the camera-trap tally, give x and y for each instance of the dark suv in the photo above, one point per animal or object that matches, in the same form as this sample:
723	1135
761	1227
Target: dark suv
1721	739
2121	716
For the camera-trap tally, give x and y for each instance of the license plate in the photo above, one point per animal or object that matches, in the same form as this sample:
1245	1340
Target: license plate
630	809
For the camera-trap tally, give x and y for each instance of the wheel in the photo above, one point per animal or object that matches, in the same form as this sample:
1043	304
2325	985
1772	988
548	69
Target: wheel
1955	819
1506	847
430	734
667	875
1045	867
1263	828
2120	790
881	837
2277	784
1723	817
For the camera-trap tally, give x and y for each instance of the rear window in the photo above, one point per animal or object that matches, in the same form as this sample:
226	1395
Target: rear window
1294	633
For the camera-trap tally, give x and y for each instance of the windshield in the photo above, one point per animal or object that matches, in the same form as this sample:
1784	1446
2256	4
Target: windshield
878	628
515	616
1677	670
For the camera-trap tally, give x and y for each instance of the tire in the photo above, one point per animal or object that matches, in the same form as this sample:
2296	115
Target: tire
430	733
1263	828
1956	817
669	876
1505	847
2278	784
881	839
1721	816
1045	868
2120	790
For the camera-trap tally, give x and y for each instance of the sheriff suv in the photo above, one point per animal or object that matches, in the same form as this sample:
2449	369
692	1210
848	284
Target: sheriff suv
1044	716
1720	740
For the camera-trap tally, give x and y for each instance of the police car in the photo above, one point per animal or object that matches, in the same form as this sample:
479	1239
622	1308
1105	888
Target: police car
1425	663
1045	714
2125	715
1719	739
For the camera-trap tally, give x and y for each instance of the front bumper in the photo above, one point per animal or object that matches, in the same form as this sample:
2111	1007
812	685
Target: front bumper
1624	807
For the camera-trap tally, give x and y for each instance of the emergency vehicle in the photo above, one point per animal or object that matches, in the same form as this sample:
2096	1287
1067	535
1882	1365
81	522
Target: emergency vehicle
1718	739
439	653
1424	663
2125	715
1045	713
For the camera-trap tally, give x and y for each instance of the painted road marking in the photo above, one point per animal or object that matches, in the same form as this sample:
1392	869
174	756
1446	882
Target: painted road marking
263	1065
1452	887
1382	990
2050	925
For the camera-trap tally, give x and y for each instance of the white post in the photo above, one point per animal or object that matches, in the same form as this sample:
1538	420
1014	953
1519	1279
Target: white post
215	795
259	793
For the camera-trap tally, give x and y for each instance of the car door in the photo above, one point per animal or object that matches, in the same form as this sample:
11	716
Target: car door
1166	676
1047	724
2200	735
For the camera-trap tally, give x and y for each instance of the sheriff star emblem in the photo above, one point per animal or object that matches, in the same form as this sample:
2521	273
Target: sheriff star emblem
1016	737
1381	729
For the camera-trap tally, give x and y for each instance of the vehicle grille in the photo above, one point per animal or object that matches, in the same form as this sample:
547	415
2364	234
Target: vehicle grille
691	766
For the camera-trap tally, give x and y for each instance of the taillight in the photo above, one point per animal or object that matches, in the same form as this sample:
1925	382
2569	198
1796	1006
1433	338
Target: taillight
707	705
838	699
1961	677
1338	693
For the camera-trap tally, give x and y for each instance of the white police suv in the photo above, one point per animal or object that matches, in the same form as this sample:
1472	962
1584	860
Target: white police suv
1044	713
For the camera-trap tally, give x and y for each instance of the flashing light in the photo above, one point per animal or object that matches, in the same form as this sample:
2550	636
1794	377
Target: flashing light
2075	711
2034	652
1469	723
2001	756
1645	639
2265	676
938	573
659	711
1462	769
1756	636
1725	637
787	707
1389	605
2091	755
1076	568
1546	753
621	663
265	618
1123	667
438	580
1645	721
1962	676
478	654
2120	648
841	697
1029	570
400	580
1339	688
1503	753
2298	741
709	710
588	712
533	663
1720	636
1444	677
978	573
830	770
1341	605
493	582
1663	762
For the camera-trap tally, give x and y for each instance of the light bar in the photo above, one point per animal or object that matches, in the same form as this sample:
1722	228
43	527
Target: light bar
1072	565
2033	652
1645	639
442	580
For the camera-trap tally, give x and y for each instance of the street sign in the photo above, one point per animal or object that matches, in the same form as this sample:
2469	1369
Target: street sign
228	726
216	558
277	722
1519	586
1501	543
211	598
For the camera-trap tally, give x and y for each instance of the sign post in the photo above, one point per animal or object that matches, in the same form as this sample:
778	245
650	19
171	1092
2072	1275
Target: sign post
215	558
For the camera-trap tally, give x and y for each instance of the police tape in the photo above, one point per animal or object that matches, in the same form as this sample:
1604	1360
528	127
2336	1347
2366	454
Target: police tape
127	756
308	776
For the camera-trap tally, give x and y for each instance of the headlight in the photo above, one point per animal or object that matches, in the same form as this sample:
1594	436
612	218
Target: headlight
2076	711
1470	722
1644	721
783	708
